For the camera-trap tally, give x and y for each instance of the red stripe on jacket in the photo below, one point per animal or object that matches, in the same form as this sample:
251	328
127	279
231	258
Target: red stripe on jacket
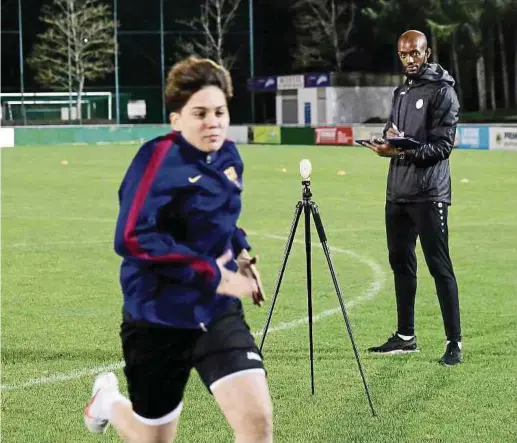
130	239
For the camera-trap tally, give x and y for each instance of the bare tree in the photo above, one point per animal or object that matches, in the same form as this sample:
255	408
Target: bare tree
502	8
78	45
515	66
446	19
212	26
323	32
473	26
443	33
440	33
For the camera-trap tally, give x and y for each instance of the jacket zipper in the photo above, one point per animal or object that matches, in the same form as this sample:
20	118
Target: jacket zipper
423	179
402	96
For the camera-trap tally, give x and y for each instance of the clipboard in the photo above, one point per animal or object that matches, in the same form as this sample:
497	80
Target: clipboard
404	142
362	141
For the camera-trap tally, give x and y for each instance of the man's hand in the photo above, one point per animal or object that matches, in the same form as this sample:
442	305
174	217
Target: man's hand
247	268
235	283
393	131
383	149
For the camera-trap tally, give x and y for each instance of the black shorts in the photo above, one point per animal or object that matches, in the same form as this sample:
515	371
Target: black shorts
159	360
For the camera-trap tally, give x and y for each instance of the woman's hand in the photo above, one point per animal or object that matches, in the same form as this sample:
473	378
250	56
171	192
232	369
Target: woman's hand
236	284
247	267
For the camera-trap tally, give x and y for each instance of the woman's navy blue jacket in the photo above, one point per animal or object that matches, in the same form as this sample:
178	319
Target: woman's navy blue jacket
179	208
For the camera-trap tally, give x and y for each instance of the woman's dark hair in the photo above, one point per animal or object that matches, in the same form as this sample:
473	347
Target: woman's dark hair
189	76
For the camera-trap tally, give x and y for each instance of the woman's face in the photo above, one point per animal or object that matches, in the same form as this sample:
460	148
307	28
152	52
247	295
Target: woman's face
204	119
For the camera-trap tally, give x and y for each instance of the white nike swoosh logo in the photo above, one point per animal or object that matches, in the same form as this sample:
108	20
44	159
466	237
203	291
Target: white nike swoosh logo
194	179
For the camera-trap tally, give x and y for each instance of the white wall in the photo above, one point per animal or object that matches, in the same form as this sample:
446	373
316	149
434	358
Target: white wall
308	95
314	96
278	103
6	137
239	134
342	105
358	104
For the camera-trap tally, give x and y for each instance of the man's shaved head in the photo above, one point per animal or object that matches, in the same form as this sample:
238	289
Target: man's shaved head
413	51
413	36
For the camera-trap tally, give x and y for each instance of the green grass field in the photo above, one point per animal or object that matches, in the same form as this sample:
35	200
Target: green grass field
61	300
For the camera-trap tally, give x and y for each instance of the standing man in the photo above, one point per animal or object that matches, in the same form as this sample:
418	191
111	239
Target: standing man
418	195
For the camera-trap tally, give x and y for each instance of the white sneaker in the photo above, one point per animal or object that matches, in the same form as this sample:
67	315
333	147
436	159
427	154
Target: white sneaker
95	418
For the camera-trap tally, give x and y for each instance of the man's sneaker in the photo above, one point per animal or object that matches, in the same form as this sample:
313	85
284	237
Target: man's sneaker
95	417
453	354
396	345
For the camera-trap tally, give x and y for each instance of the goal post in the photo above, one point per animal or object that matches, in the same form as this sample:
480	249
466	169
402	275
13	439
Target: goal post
56	106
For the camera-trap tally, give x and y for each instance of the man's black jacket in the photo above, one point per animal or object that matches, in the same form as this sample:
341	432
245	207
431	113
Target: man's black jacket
426	109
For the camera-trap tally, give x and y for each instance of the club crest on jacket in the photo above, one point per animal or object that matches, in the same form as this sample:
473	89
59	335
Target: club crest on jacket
231	173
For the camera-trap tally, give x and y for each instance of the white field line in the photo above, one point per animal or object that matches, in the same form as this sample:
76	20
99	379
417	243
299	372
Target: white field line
369	293
6	246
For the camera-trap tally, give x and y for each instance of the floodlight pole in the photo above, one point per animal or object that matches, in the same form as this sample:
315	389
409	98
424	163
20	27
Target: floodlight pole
117	98
22	80
162	54
252	58
69	66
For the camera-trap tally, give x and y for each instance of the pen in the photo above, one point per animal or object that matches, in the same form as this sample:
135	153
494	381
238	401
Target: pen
394	126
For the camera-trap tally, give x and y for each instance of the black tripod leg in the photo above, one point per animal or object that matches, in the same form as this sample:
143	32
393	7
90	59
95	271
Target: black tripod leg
323	240
287	250
307	212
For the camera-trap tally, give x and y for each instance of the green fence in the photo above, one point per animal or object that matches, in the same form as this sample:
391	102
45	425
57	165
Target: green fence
87	134
468	136
297	136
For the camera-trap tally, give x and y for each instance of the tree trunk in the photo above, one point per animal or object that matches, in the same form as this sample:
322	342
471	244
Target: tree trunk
337	64
493	105
70	103
456	68
338	55
335	38
72	20
515	68
481	82
434	47
219	39
504	65
491	71
80	98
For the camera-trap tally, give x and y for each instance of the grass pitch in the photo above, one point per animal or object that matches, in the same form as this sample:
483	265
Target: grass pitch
61	300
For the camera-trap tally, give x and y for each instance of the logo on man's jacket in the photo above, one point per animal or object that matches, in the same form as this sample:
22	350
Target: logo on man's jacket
419	103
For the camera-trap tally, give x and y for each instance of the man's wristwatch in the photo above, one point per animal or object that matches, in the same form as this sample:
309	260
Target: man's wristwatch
401	155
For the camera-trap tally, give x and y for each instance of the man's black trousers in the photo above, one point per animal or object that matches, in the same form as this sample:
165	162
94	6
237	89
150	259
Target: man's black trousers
427	220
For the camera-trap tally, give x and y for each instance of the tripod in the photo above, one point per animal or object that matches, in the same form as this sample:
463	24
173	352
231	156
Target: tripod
309	207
